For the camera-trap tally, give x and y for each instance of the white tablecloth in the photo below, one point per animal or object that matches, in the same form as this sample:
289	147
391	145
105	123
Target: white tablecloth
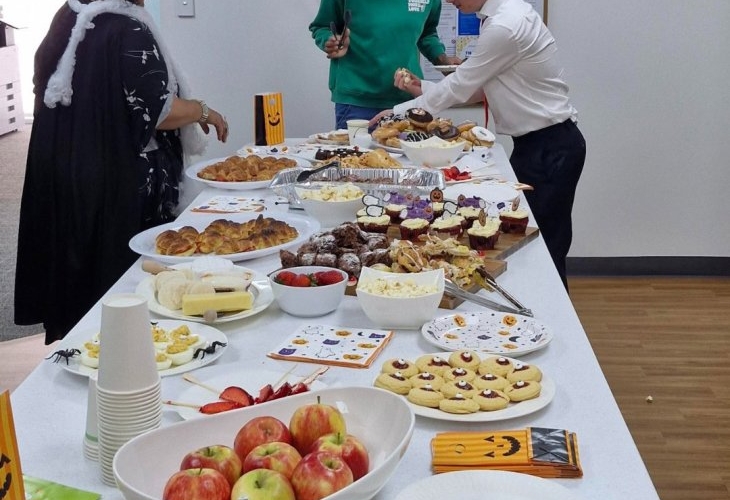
50	405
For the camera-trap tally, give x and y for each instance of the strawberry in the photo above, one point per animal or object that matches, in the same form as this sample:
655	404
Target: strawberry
327	277
301	280
237	395
285	277
265	394
283	391
299	388
218	407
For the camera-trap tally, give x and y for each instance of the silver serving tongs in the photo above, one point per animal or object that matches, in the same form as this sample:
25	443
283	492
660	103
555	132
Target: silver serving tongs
455	290
484	279
306	174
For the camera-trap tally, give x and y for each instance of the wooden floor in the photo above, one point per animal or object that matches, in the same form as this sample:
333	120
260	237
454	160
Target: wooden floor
664	338
668	338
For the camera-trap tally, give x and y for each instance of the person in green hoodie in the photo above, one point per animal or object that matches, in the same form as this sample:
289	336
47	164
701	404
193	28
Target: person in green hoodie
381	37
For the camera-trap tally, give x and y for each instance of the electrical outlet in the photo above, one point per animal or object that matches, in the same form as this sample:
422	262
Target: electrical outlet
185	8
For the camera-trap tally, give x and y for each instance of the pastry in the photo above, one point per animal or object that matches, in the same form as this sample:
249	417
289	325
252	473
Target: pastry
465	359
490	381
459	404
416	136
447	226
459	373
419	118
433	363
411	229
523	371
484	236
496	364
374	224
523	390
514	221
425	396
406	368
425	378
393	382
445	130
491	400
450	389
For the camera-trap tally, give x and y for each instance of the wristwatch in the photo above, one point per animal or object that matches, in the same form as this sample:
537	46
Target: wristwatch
204	108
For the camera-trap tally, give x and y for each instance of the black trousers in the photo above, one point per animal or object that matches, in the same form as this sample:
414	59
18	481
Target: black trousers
551	160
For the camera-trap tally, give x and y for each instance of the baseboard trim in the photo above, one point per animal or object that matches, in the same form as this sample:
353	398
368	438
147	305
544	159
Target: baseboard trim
648	266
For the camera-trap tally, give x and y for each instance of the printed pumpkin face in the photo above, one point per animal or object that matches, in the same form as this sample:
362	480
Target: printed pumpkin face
275	119
6	477
437	195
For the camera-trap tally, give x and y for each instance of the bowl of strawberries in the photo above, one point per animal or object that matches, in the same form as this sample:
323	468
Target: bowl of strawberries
308	291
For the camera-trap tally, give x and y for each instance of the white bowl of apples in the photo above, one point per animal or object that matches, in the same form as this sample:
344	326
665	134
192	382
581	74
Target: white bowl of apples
380	421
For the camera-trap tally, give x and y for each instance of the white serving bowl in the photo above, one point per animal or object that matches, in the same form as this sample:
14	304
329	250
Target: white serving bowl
328	213
308	301
432	152
381	419
407	313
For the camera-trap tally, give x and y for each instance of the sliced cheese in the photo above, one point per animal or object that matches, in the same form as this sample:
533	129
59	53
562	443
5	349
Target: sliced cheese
198	304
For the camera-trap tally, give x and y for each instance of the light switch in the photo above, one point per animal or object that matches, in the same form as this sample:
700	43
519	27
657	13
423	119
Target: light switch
185	8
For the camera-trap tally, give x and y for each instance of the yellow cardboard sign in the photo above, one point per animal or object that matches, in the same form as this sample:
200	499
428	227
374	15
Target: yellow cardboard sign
268	119
11	477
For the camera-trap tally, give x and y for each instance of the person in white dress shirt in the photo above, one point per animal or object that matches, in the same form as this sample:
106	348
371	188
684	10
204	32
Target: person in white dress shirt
515	66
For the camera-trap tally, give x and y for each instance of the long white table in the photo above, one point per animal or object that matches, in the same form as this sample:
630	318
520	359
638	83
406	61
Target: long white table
50	405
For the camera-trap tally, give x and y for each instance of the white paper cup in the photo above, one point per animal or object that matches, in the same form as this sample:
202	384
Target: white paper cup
355	128
127	352
362	141
91	435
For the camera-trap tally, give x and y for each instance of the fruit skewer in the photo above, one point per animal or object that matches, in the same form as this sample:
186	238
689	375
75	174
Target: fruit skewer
234	397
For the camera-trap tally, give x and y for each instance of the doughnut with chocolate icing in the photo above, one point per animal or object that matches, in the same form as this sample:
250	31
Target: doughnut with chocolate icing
419	118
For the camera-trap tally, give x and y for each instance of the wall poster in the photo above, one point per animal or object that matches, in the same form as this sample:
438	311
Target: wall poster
459	33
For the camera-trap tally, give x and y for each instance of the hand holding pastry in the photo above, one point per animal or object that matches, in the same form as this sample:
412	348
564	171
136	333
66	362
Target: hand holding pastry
336	46
405	80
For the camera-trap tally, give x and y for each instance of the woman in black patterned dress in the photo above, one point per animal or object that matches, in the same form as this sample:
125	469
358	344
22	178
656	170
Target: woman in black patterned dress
112	119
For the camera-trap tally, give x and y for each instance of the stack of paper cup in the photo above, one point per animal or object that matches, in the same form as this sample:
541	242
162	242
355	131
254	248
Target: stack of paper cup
91	435
128	391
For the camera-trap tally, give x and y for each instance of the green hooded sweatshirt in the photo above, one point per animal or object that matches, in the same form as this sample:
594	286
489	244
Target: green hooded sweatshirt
384	35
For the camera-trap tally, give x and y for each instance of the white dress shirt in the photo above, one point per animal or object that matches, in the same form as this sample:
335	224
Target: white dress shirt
514	64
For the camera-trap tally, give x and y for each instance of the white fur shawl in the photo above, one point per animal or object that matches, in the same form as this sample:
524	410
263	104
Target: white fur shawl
59	85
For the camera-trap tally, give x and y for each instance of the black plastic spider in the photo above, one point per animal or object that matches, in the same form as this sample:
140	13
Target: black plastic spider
208	350
65	354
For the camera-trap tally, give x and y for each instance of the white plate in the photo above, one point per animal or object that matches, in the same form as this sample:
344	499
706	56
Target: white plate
260	288
514	410
389	149
480	484
323	138
307	151
222	376
144	242
211	335
485	331
446	68
192	173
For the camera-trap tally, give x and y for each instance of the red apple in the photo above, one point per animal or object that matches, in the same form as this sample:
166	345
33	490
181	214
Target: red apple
350	448
309	422
262	484
219	457
320	474
260	430
197	484
281	457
